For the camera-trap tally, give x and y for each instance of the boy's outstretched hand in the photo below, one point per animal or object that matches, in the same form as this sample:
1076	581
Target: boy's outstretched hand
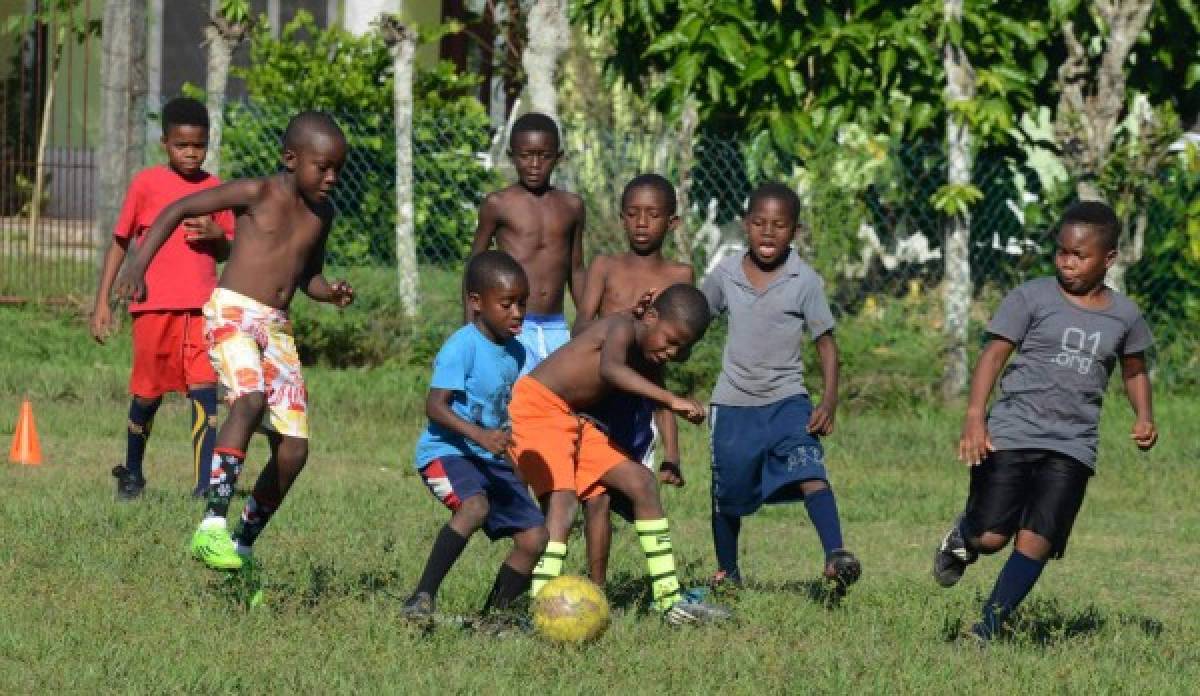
670	474
975	442
495	441
342	294
1144	434
689	409
821	420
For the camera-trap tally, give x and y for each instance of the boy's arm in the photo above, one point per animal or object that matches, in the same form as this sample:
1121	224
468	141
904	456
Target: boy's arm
821	420
314	283
1137	387
437	408
233	195
615	371
670	472
485	229
101	323
577	280
593	294
975	442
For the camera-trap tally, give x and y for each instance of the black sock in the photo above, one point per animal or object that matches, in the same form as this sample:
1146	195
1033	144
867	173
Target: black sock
141	419
446	549
1016	579
725	530
204	434
510	584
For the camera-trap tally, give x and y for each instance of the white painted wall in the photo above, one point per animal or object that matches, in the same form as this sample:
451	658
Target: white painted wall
357	15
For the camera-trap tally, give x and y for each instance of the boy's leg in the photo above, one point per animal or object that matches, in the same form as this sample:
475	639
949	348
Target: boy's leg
288	457
597	533
725	529
997	495
515	575
1057	487
638	484
841	566
130	479
560	508
204	434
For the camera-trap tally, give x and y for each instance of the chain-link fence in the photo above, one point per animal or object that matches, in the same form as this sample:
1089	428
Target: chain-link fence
870	226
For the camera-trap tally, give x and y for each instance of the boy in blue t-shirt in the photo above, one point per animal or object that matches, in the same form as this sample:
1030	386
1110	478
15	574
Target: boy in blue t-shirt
1031	457
461	453
765	430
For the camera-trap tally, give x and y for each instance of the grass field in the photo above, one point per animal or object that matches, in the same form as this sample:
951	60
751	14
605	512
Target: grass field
100	597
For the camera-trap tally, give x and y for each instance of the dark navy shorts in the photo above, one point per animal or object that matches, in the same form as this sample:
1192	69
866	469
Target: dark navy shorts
628	420
510	508
761	453
1032	489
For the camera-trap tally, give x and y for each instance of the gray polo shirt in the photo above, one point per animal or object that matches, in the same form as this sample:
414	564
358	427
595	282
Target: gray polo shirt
762	362
1052	390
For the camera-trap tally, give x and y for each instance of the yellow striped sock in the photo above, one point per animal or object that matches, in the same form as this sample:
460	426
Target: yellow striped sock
548	567
655	538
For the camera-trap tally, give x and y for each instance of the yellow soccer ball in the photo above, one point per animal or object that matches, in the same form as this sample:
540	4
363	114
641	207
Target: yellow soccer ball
570	609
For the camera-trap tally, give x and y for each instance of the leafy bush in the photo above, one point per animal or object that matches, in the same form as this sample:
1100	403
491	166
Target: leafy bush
307	67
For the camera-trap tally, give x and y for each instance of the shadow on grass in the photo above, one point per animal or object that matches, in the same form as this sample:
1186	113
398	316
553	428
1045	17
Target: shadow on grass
1046	623
817	590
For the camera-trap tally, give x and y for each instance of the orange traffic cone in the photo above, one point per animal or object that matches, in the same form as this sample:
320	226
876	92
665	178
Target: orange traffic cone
25	446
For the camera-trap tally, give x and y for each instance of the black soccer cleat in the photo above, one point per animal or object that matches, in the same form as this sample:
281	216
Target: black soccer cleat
843	569
952	557
418	608
129	486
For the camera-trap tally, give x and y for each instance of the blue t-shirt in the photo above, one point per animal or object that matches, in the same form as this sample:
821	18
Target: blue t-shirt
481	375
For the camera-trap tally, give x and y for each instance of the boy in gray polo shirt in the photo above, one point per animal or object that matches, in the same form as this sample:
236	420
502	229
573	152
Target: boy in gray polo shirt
765	446
1031	458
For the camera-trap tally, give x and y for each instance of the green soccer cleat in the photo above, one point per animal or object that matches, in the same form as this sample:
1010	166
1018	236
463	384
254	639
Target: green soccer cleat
216	549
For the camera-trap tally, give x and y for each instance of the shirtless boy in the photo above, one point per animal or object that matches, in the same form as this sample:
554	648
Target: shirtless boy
283	222
564	456
618	283
542	228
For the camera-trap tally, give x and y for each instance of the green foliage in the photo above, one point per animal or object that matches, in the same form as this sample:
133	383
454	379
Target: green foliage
801	70
956	199
307	67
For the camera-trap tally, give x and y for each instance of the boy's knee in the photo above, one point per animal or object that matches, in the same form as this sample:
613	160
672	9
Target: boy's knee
597	507
813	486
533	541
643	487
475	508
248	405
990	542
292	452
148	401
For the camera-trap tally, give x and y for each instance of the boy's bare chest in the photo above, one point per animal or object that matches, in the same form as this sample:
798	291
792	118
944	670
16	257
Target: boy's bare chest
541	225
623	288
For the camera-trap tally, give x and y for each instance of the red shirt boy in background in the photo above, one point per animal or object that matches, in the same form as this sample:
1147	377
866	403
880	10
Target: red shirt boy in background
170	353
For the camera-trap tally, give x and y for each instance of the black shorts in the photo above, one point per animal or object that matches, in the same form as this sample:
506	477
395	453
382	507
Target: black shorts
1032	489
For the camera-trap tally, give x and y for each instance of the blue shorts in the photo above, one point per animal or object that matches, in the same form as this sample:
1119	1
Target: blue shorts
628	420
510	509
542	334
760	453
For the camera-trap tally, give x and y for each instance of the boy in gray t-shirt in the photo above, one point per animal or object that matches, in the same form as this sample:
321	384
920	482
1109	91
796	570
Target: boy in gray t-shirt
1032	457
765	430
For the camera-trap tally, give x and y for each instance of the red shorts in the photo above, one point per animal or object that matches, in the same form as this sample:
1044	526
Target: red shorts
170	353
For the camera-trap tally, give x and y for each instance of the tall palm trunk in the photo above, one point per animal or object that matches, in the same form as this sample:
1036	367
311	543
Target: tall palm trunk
549	37
403	43
222	37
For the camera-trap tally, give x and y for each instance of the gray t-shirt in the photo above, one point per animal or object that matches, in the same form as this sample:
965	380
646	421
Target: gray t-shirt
1052	390
762	362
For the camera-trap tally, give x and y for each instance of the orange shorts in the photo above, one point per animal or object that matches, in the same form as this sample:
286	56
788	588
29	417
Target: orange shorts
555	449
170	353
